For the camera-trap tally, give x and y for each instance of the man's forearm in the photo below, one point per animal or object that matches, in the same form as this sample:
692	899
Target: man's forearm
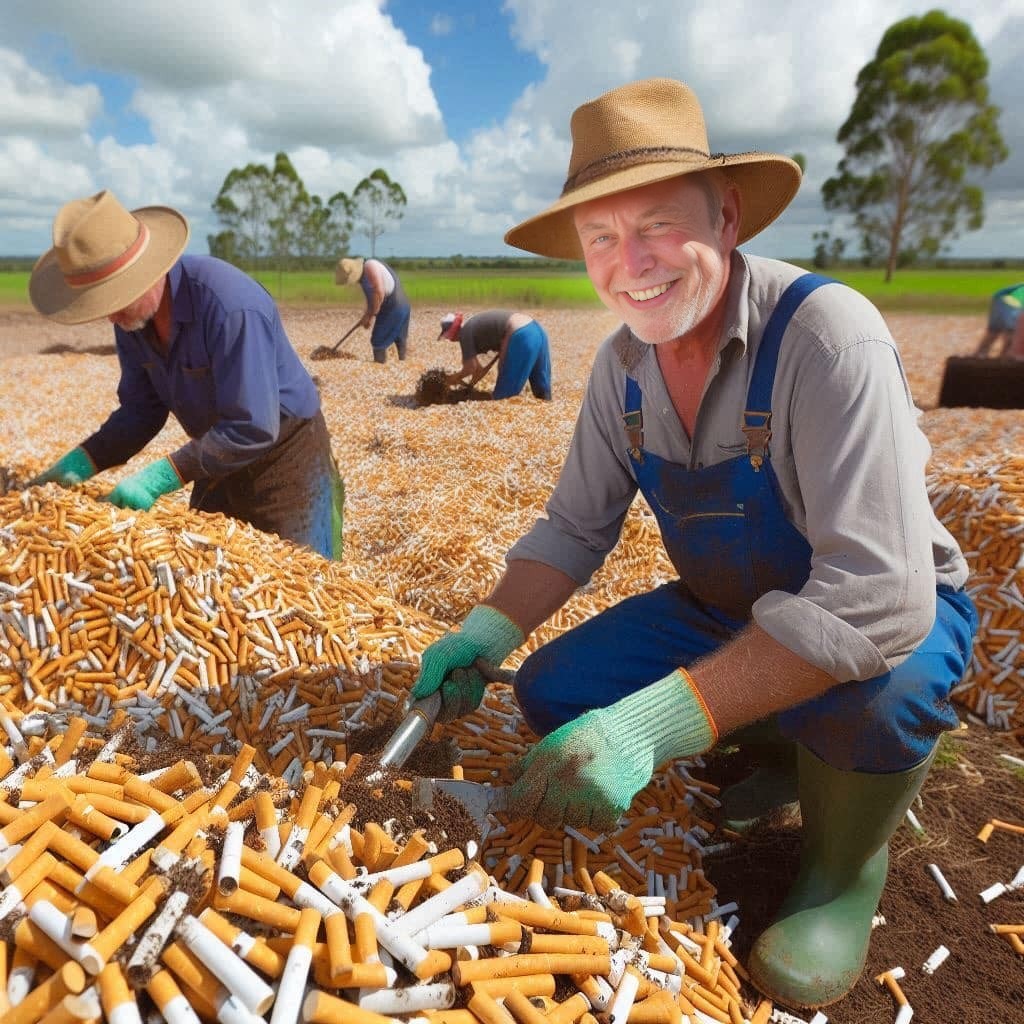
753	676
529	593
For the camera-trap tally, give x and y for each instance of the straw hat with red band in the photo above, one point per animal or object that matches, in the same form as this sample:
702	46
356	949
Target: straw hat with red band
104	257
644	132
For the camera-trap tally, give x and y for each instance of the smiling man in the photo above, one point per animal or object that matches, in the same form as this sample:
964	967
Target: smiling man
819	614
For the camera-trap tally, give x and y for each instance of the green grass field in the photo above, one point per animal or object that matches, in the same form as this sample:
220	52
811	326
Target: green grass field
918	291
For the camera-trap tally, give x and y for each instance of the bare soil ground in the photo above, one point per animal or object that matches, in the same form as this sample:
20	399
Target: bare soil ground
983	979
48	402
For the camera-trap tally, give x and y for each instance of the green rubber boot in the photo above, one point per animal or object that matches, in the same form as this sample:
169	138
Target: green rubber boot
814	951
771	786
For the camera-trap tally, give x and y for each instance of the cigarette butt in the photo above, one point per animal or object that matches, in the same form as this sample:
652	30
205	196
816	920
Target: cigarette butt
32	941
552	920
52	808
239	979
86	815
44	997
522	1009
321	1008
1007	826
986	832
762	1013
364	929
588	945
535	985
31	850
570	1010
488	1010
170	1000
525	964
296	969
115	935
116	998
180	775
256	908
338	944
83	923
254	951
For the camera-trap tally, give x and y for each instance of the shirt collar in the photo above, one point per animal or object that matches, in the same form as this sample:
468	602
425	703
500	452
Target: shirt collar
182	306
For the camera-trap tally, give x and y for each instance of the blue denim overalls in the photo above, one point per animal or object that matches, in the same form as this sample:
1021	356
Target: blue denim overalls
725	529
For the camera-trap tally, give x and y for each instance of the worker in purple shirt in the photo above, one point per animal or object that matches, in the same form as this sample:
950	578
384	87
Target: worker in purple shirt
198	338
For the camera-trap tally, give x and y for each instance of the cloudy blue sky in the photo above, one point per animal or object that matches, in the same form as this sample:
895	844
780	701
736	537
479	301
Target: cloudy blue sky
465	102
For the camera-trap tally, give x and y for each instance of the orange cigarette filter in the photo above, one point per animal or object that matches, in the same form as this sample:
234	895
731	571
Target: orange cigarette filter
522	1009
68	979
522	964
539	985
570	1010
488	1010
321	1008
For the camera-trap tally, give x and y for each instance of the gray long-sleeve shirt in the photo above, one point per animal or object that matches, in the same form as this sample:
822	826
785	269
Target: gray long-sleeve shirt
845	447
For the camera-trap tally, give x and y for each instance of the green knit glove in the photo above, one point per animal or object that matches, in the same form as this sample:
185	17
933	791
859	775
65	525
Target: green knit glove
71	468
141	490
447	663
586	772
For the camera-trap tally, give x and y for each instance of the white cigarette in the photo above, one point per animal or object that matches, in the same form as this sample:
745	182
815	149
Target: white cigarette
412	999
947	889
473	884
127	846
240	979
231	857
150	946
292	984
936	960
994	890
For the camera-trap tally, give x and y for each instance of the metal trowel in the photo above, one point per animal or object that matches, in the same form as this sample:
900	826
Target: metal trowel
420	717
479	799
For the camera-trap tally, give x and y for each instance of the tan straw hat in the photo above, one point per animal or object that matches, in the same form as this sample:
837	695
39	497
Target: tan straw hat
104	258
348	271
644	132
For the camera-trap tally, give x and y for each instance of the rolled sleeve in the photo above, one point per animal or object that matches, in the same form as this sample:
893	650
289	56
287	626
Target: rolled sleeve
244	370
870	597
589	504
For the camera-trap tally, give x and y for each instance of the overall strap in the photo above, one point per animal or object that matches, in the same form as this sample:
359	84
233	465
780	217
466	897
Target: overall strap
757	417
633	418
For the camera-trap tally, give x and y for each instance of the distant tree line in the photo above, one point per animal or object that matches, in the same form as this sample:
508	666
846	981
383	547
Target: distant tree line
269	219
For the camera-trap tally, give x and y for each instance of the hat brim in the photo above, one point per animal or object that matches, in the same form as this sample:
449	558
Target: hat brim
767	184
54	298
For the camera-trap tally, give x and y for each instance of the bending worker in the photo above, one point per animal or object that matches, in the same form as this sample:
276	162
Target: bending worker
521	344
1004	315
765	417
387	308
197	338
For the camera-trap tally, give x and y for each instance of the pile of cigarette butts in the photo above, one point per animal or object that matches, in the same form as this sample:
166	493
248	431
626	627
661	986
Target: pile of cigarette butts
249	649
982	504
131	890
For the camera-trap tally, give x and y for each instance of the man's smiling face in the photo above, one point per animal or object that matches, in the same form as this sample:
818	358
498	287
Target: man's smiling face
658	255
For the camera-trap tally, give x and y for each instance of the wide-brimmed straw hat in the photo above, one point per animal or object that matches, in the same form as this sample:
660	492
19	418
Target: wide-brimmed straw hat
641	133
104	257
348	270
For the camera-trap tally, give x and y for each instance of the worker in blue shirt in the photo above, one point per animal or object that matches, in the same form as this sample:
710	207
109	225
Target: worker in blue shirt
198	338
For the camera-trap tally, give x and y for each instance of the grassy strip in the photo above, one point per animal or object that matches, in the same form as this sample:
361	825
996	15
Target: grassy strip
917	291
